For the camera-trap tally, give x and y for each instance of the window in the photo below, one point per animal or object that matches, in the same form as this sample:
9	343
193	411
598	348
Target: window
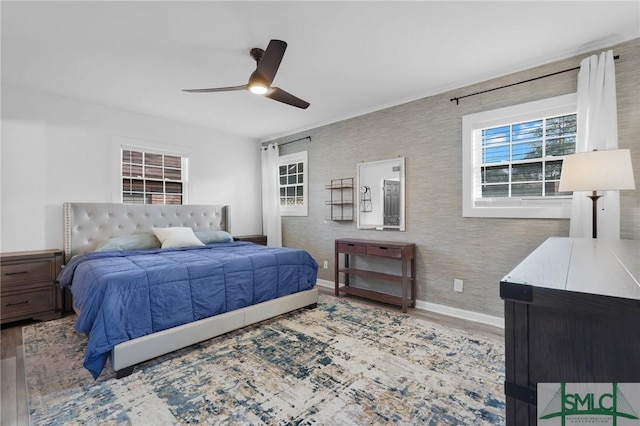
153	177
292	174
512	159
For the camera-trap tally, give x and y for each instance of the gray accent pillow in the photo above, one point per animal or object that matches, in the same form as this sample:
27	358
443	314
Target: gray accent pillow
128	242
209	237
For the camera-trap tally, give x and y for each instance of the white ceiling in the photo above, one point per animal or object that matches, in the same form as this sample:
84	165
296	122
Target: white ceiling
345	58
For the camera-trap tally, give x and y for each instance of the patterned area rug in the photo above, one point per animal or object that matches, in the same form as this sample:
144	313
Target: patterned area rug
342	363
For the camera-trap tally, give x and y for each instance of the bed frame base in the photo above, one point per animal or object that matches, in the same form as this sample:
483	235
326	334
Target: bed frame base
124	372
127	354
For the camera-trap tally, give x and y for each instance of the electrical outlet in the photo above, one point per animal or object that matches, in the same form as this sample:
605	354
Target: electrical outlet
325	264
457	285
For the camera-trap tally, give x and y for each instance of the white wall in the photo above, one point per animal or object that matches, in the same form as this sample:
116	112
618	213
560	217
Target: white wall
57	149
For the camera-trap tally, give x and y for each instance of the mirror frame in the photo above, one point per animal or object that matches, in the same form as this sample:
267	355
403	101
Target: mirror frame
394	161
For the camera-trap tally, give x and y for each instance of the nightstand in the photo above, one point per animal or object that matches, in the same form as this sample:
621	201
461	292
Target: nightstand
28	286
258	239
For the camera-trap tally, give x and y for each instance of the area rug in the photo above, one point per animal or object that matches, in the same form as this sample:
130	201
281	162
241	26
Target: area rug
342	363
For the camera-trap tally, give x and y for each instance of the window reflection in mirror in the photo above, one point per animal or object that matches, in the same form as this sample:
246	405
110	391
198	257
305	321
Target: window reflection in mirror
381	194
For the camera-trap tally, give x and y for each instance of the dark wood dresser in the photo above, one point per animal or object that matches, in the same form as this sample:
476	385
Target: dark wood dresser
28	286
572	315
403	252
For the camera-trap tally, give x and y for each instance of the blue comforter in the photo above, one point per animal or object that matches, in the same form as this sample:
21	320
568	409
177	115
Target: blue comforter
123	295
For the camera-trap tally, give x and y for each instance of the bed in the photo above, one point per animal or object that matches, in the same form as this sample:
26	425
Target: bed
137	301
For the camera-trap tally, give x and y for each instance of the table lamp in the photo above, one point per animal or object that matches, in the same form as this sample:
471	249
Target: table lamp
595	171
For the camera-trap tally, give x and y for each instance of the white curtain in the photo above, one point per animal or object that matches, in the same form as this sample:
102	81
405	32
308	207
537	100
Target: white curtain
597	129
271	223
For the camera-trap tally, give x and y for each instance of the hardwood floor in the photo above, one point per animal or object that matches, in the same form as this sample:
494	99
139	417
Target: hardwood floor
13	390
13	387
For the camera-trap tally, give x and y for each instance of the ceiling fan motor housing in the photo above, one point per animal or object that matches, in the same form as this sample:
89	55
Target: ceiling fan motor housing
256	53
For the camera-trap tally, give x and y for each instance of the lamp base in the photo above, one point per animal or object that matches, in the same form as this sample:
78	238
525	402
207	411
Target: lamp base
594	225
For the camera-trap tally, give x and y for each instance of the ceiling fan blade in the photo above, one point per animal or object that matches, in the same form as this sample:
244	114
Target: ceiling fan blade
280	95
270	61
217	89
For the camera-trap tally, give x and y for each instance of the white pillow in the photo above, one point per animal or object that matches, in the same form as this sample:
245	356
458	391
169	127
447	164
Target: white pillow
176	237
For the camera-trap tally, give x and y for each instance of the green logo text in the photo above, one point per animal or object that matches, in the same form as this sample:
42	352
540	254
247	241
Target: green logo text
612	404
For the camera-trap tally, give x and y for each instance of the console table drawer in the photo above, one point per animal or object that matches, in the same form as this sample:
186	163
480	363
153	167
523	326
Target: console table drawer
384	251
17	304
352	248
26	272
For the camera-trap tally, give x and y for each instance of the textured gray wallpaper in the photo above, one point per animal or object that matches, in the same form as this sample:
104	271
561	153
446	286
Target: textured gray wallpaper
428	133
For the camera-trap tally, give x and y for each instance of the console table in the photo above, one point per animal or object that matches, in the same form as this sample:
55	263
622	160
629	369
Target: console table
403	252
572	310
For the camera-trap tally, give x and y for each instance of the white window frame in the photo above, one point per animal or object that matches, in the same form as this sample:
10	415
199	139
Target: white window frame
121	144
295	209
514	207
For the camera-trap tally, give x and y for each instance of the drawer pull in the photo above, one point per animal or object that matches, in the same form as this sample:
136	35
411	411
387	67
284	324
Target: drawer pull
382	248
351	245
16	273
17	303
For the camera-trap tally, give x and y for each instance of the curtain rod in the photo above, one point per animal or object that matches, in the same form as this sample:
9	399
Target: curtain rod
295	140
457	99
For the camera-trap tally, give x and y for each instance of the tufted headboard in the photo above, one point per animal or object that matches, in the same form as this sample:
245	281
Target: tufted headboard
88	223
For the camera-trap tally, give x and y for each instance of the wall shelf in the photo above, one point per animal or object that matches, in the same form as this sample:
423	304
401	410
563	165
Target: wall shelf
340	199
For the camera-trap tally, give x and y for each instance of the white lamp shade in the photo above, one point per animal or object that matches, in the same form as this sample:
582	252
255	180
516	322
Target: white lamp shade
597	171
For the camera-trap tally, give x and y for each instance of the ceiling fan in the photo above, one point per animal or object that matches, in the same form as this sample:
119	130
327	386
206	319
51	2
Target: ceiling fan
267	63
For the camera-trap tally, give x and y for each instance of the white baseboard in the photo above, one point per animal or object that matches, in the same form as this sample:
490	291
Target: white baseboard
444	310
461	313
325	283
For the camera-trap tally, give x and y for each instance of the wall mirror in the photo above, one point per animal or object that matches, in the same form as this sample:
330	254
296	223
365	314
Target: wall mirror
381	195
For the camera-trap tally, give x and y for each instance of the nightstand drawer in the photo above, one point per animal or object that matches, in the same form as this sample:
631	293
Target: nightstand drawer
20	303
27	271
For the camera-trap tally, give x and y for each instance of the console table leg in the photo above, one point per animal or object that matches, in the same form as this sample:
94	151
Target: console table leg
336	267
346	265
413	283
404	286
